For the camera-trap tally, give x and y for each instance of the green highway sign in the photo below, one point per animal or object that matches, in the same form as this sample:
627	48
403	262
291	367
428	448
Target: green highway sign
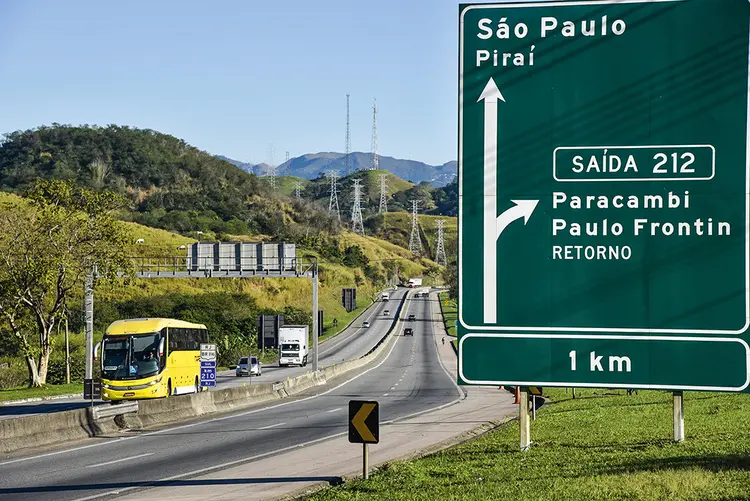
604	194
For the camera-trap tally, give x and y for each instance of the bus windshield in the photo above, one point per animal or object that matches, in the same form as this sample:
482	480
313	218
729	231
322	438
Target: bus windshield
132	356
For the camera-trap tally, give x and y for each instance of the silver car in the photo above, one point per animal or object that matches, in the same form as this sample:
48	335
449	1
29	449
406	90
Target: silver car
254	368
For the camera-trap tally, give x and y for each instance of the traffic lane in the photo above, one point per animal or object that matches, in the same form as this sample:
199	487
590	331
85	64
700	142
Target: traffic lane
335	347
354	342
186	448
217	441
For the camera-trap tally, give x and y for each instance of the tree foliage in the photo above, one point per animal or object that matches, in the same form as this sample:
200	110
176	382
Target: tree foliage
46	251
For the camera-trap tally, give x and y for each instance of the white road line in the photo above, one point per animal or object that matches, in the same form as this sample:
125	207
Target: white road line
120	460
265	454
272	426
191	425
336	409
393	388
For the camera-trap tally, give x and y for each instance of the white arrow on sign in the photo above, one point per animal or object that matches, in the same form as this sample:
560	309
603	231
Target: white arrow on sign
494	225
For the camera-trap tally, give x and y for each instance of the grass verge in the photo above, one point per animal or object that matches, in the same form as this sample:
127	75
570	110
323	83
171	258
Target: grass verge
603	445
450	313
330	331
47	391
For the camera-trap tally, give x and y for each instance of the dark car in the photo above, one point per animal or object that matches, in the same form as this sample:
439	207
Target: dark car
411	317
408	331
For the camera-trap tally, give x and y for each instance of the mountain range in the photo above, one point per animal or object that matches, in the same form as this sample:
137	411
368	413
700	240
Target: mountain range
312	165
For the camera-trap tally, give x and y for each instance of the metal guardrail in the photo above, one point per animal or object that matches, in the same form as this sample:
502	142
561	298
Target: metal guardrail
208	266
106	411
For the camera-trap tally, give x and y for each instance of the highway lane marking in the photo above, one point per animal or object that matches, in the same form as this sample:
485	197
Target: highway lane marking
120	460
272	426
336	409
344	338
277	451
191	425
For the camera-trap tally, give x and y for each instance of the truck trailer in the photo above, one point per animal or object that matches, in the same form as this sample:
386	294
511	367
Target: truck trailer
293	341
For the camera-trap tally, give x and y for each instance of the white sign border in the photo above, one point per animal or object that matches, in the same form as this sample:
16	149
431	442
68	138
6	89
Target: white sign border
607	385
460	188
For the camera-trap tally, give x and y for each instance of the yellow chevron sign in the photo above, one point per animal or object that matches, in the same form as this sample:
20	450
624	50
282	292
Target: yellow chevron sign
363	422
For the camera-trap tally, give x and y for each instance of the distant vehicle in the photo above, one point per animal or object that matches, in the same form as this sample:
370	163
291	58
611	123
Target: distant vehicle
244	370
412	317
415	282
385	296
408	331
365	324
150	358
293	345
386	312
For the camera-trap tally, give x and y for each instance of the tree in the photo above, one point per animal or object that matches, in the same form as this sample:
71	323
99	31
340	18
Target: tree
451	280
49	248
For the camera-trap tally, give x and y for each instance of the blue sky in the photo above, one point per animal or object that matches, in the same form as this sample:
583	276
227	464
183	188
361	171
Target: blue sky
233	77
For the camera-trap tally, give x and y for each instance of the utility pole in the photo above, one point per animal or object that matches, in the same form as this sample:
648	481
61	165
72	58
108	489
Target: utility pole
383	193
374	164
333	201
348	145
357	224
415	242
440	257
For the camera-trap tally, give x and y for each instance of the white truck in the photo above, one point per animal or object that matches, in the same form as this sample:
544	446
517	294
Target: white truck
293	340
415	282
385	296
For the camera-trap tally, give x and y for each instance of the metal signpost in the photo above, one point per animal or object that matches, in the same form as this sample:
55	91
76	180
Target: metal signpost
208	364
364	428
604	195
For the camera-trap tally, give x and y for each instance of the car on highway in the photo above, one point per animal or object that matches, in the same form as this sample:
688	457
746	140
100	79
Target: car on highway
386	312
412	317
408	331
365	324
254	368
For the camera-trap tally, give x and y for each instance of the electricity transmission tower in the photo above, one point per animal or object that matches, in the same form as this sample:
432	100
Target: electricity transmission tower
297	190
415	243
383	193
440	253
357	224
333	202
271	168
348	146
374	165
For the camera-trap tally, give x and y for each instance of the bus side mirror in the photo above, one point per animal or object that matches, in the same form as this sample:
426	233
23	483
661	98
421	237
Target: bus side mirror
96	351
161	347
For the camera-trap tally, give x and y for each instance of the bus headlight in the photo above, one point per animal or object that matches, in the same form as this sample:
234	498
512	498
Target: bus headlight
151	383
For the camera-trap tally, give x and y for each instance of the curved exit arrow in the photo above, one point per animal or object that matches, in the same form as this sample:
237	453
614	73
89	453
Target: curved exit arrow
359	422
522	209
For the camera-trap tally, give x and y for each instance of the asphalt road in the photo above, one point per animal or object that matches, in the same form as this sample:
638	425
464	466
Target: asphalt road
351	343
408	381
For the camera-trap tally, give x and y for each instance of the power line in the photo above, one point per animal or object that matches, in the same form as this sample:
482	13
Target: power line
415	242
383	190
374	164
333	201
357	224
348	146
440	257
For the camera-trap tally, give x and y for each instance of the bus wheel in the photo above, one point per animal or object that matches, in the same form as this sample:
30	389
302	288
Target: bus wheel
169	388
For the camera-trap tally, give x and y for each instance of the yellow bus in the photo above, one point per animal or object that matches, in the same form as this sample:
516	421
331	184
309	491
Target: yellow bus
150	358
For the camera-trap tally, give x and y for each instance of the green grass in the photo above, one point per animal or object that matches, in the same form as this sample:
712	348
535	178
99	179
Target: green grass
603	445
450	313
47	391
330	331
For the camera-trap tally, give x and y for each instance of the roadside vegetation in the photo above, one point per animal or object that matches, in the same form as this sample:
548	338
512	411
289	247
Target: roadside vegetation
450	313
143	195
9	394
602	445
